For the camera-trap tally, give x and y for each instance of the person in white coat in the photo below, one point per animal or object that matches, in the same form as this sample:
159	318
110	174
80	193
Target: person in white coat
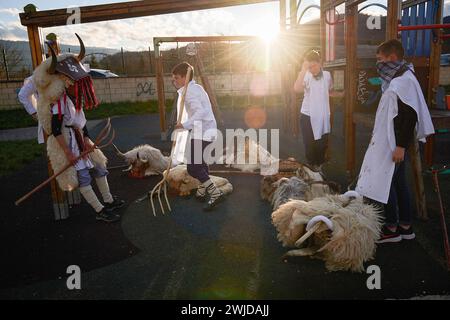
28	93
317	86
200	121
401	111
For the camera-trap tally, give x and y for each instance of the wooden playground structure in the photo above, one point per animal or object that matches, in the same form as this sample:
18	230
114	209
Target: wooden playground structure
418	23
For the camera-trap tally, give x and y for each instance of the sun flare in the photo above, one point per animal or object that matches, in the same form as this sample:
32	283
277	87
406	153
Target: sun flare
266	28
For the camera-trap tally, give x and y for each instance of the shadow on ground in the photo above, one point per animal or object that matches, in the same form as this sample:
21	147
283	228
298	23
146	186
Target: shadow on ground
231	253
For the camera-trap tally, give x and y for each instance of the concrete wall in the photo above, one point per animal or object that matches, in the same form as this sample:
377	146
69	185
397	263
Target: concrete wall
8	95
144	88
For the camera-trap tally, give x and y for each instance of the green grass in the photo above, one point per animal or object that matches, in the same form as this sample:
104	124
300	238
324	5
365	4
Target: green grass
11	119
16	154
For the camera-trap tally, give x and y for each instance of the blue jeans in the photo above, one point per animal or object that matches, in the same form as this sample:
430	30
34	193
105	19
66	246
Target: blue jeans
398	208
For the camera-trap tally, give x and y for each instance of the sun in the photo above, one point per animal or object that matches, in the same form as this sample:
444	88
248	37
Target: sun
266	28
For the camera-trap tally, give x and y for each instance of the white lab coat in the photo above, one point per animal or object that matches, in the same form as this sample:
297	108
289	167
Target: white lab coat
198	117
377	169
316	103
28	96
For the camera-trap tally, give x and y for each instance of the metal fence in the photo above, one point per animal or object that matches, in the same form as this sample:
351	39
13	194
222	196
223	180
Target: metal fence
217	57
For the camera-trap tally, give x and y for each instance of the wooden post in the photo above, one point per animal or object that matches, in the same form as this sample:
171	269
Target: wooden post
435	59
351	20
392	19
160	89
322	30
293	14
208	89
60	206
282	15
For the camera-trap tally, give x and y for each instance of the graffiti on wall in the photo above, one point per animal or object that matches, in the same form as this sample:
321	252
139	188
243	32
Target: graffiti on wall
145	88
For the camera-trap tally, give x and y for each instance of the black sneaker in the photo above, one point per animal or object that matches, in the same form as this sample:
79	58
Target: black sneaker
200	198
406	234
116	204
389	236
214	202
107	216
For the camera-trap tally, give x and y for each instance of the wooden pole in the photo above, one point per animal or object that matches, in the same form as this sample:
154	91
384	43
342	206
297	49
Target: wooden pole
392	19
293	14
282	15
351	20
208	89
160	89
60	206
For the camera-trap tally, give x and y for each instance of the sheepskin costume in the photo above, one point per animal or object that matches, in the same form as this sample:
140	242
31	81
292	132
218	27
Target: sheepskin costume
341	230
144	161
180	181
316	186
50	88
249	156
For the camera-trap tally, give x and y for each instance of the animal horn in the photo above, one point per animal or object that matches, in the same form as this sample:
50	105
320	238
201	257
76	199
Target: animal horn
52	68
82	49
142	160
320	218
119	153
312	226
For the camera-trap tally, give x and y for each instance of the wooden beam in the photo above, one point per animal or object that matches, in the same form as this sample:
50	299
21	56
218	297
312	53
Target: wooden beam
435	59
209	90
293	13
161	94
322	31
351	20
125	10
34	42
282	15
392	19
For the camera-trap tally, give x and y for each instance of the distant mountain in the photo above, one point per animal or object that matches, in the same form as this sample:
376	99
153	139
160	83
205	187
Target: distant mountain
22	48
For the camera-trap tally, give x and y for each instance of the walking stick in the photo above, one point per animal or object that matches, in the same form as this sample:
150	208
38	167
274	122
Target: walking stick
163	182
101	137
435	172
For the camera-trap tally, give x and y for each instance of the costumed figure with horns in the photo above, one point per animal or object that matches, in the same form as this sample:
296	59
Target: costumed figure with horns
65	89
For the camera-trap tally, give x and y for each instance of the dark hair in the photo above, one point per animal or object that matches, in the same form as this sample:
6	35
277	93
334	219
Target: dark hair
392	46
312	56
182	68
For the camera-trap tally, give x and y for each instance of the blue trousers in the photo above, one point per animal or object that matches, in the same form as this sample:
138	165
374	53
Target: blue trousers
84	176
197	166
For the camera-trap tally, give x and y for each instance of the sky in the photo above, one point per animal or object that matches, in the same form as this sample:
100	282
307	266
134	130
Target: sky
137	33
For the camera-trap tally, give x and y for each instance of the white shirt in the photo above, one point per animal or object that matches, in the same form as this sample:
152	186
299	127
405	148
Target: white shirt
316	102
28	96
77	119
199	115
